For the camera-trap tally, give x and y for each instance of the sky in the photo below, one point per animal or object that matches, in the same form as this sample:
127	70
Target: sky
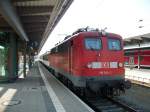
119	16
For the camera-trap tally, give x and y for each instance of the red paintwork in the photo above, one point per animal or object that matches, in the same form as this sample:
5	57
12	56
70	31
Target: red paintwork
76	58
144	55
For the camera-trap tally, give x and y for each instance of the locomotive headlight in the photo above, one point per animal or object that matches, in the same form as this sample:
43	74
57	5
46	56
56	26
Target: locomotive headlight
89	65
120	64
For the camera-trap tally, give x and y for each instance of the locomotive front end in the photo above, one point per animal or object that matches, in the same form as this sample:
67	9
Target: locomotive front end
104	63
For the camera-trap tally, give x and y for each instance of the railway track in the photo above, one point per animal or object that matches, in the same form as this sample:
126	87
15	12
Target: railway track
104	104
107	104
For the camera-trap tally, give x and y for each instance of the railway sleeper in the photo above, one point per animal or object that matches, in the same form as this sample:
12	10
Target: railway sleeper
113	110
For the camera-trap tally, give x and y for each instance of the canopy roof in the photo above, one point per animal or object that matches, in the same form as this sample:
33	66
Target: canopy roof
32	20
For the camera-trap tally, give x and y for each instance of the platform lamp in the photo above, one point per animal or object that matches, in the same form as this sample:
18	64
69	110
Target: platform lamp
141	26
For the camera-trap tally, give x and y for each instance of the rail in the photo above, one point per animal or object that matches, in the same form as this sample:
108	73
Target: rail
123	105
108	104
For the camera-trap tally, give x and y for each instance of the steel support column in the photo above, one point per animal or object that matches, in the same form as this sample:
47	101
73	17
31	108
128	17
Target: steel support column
30	61
139	61
12	68
139	56
24	59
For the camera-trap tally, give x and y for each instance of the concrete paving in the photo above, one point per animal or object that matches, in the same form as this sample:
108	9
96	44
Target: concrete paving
69	101
142	75
40	91
26	95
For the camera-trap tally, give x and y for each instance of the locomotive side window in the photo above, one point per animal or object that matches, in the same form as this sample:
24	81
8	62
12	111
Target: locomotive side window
93	44
114	44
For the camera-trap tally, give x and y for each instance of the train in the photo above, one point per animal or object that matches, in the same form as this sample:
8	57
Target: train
90	59
135	57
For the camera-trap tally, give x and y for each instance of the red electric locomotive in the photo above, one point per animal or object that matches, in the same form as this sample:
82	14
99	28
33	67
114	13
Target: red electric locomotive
90	59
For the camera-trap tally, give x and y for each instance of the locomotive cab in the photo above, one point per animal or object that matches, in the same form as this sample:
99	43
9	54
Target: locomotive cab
103	59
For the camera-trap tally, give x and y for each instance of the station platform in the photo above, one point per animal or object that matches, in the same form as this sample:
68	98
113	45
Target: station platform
141	75
40	91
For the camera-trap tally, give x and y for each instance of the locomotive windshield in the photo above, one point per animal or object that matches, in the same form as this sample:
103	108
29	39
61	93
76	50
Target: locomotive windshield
114	44
93	44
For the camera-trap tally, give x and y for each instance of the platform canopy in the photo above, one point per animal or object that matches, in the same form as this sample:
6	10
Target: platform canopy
137	42
31	20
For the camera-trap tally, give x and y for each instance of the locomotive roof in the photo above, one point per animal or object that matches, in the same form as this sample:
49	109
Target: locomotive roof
90	33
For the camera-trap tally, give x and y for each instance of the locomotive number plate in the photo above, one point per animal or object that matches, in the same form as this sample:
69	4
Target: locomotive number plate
104	65
96	65
113	65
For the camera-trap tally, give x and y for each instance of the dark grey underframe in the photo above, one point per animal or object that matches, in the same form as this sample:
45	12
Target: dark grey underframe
80	81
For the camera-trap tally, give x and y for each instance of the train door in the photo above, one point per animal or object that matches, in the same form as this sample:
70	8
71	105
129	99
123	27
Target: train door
131	60
70	56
